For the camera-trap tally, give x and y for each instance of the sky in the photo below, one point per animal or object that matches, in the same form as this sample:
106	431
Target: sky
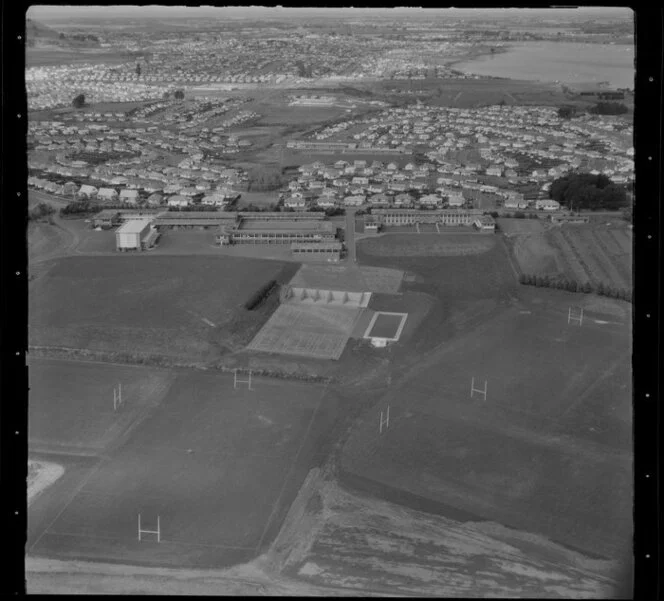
45	13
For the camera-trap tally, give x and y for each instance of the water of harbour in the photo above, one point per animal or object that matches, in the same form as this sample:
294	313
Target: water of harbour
565	62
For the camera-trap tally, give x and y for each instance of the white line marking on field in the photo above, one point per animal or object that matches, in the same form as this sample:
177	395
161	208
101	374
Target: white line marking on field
525	312
601	321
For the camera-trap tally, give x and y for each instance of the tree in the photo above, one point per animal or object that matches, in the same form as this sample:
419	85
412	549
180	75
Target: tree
586	288
566	112
608	108
79	101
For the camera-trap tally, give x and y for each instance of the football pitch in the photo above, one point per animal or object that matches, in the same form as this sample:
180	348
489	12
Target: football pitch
546	450
214	467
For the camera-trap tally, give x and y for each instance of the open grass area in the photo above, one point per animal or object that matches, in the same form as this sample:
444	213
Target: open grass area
219	466
53	56
542	454
594	253
71	404
425	244
182	307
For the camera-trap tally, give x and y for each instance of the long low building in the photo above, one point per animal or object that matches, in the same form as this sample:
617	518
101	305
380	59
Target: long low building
327	251
412	216
204	219
250	231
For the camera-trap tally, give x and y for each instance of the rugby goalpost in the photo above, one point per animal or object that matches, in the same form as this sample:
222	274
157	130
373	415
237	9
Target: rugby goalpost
142	531
474	390
384	420
117	397
237	380
576	316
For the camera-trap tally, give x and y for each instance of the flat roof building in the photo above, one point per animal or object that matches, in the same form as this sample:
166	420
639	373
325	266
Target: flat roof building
250	231
136	235
411	216
327	251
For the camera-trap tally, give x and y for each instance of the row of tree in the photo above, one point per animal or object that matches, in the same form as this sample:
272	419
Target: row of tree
40	211
601	289
601	108
587	191
79	208
608	108
260	295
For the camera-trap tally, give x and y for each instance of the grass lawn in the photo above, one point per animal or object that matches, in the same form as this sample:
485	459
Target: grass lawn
542	454
71	404
425	244
219	467
176	306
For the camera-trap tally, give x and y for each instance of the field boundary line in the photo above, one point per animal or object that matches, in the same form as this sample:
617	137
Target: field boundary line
163	540
78	488
275	506
603	376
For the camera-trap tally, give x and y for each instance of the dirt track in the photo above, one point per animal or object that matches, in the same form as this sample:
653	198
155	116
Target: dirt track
337	543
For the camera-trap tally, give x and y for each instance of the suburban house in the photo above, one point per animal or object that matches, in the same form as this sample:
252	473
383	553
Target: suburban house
178	201
130	196
485	223
547	204
516	203
107	194
455	199
154	200
87	191
355	200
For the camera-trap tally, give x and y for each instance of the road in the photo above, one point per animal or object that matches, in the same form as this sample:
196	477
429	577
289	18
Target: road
350	235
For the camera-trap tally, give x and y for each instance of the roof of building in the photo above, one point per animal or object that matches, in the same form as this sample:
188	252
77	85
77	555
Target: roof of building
106	214
285	226
136	226
317	245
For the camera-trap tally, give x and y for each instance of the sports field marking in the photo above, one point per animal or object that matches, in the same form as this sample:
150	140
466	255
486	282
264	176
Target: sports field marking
276	504
163	540
615	323
68	503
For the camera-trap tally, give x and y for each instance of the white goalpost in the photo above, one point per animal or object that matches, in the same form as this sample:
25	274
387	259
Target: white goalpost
384	420
474	390
576	316
237	380
157	531
117	397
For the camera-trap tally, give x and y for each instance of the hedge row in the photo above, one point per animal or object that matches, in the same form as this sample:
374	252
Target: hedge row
600	289
260	295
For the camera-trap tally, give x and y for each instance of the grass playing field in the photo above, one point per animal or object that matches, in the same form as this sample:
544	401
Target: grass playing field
426	244
71	404
548	452
218	465
170	306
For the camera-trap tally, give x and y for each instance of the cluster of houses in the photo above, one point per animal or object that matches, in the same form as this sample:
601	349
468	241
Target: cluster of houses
508	141
156	132
60	85
376	184
193	179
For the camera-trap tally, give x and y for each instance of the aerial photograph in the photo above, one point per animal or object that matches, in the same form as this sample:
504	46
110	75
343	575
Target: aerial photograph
330	301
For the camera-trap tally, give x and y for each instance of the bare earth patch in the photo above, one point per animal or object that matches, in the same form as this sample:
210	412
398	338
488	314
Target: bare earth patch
41	474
